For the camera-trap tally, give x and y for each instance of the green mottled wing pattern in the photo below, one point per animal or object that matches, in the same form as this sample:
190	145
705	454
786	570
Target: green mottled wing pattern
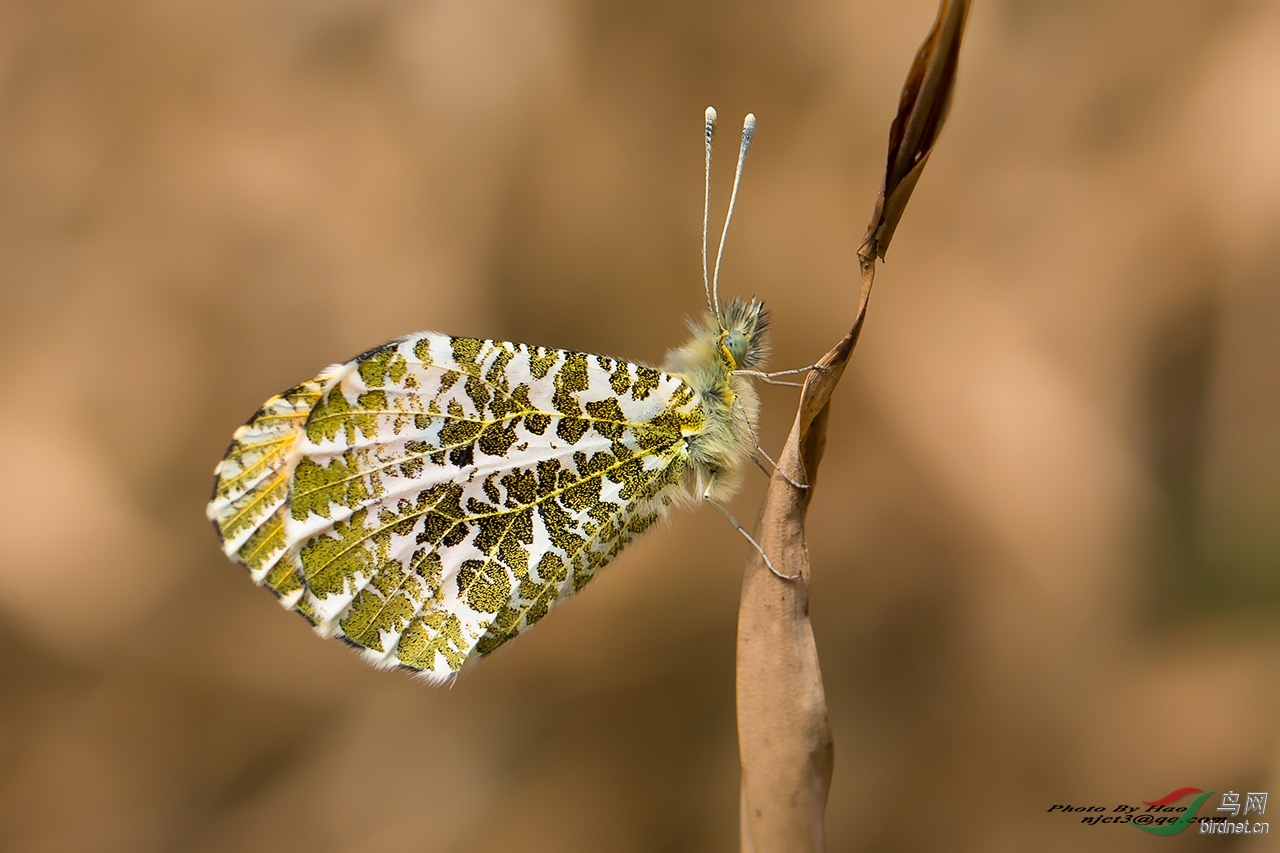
252	485
435	497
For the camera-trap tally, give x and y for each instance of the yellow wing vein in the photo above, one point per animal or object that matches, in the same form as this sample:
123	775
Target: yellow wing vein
258	498
408	457
598	475
265	540
386	601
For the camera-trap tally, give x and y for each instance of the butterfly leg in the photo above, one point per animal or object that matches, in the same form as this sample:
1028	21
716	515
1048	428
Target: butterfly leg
748	537
772	378
774	463
765	453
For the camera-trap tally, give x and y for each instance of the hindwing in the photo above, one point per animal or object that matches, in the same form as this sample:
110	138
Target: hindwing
433	498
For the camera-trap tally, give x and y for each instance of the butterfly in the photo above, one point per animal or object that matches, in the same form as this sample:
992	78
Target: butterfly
433	498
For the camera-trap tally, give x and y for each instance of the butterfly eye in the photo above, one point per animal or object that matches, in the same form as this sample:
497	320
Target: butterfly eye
735	343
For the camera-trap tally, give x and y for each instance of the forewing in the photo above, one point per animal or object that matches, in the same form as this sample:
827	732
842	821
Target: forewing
444	493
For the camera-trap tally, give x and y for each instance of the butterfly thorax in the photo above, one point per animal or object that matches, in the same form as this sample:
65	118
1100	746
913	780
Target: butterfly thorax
720	447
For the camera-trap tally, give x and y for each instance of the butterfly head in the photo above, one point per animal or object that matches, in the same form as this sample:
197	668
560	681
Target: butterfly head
743	343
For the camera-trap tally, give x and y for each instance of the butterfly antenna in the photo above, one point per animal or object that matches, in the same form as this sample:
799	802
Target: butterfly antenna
748	131
709	134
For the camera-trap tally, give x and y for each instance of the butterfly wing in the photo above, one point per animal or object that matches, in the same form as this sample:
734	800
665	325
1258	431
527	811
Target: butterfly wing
435	497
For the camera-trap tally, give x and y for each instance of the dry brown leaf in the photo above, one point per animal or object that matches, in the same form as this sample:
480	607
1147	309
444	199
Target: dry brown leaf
922	110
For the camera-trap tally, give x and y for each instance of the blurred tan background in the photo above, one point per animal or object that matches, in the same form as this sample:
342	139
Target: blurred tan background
1045	538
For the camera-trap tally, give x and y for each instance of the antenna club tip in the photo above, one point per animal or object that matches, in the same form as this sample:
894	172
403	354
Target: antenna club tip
748	131
711	115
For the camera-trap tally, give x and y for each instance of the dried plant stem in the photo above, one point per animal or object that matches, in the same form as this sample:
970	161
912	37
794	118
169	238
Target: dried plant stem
784	737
